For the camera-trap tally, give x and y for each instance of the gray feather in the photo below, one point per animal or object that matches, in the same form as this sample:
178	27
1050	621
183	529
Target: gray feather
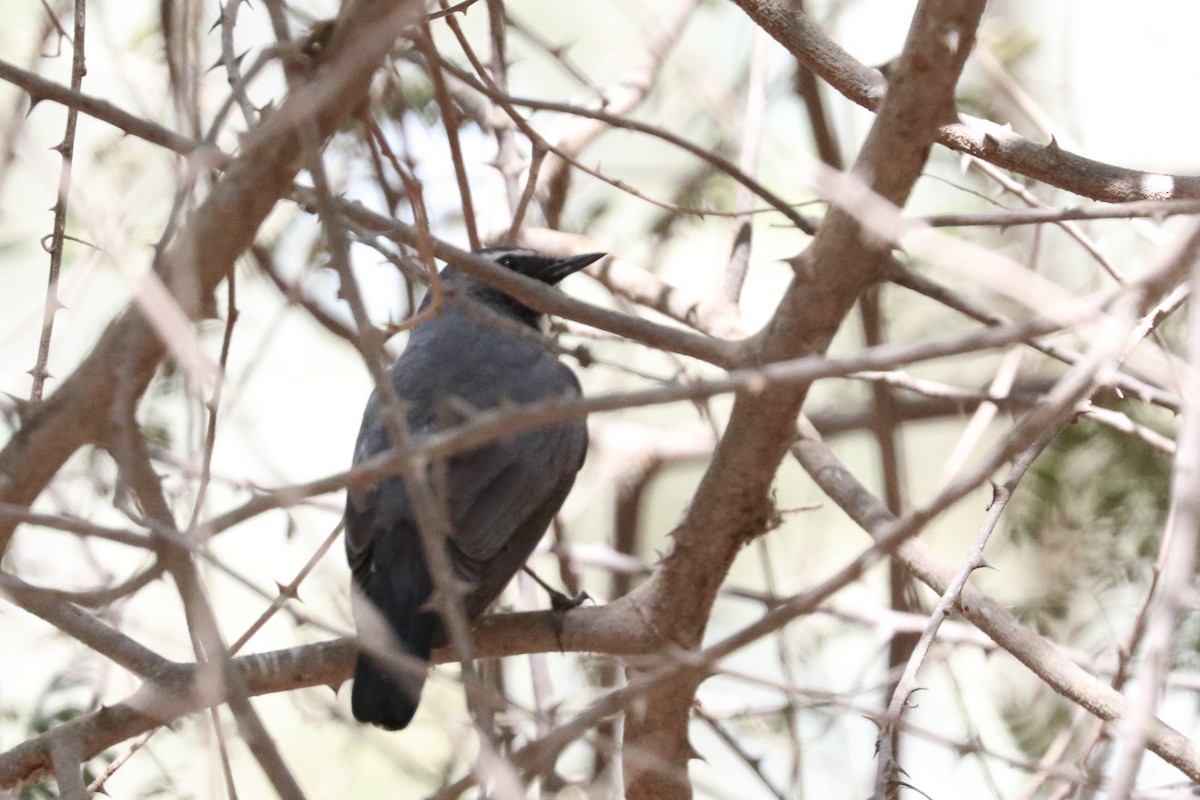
500	497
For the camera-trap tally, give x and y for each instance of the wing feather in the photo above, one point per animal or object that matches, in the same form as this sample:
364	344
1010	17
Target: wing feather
493	491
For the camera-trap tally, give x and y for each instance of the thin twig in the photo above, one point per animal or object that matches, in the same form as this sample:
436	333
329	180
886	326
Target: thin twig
227	22
1134	209
508	158
289	592
450	122
66	149
213	405
1175	584
751	133
886	774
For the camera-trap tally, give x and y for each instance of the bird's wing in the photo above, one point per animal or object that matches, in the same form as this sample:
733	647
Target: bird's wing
374	510
493	490
490	491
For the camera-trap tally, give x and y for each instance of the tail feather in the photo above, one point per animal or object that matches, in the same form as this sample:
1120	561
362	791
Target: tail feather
385	696
386	693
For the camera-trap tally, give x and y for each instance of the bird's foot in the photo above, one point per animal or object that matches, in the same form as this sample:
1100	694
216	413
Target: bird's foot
560	602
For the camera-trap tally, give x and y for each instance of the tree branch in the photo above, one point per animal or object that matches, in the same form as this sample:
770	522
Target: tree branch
173	691
732	504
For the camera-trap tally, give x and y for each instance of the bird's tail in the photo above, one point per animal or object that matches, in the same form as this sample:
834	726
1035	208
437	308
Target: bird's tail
386	693
385	696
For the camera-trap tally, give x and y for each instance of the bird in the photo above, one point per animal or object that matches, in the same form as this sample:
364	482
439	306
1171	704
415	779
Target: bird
500	497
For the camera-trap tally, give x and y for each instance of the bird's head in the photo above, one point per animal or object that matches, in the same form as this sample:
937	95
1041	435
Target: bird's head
524	261
530	263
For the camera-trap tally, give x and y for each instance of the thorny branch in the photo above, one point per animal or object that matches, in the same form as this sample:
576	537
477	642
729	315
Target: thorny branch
768	374
57	241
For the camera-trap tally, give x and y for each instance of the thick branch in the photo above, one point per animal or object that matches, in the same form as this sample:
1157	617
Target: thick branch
732	504
174	692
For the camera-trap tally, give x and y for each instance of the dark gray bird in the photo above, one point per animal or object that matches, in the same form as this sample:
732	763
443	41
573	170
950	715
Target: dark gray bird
500	496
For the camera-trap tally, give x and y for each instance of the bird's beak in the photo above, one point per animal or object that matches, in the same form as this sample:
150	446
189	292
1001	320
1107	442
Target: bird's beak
568	266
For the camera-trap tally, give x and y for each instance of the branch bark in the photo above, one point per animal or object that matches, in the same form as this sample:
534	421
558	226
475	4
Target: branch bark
171	690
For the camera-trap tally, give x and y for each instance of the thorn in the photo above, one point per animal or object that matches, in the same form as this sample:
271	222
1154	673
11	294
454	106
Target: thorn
42	374
995	494
20	405
237	60
34	99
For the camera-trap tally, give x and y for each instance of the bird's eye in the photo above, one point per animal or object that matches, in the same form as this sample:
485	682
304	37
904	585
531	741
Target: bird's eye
506	261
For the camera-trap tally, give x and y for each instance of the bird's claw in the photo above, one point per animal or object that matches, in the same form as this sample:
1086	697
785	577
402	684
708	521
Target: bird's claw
560	602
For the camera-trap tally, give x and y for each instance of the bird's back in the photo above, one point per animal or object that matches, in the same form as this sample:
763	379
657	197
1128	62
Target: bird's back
500	496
